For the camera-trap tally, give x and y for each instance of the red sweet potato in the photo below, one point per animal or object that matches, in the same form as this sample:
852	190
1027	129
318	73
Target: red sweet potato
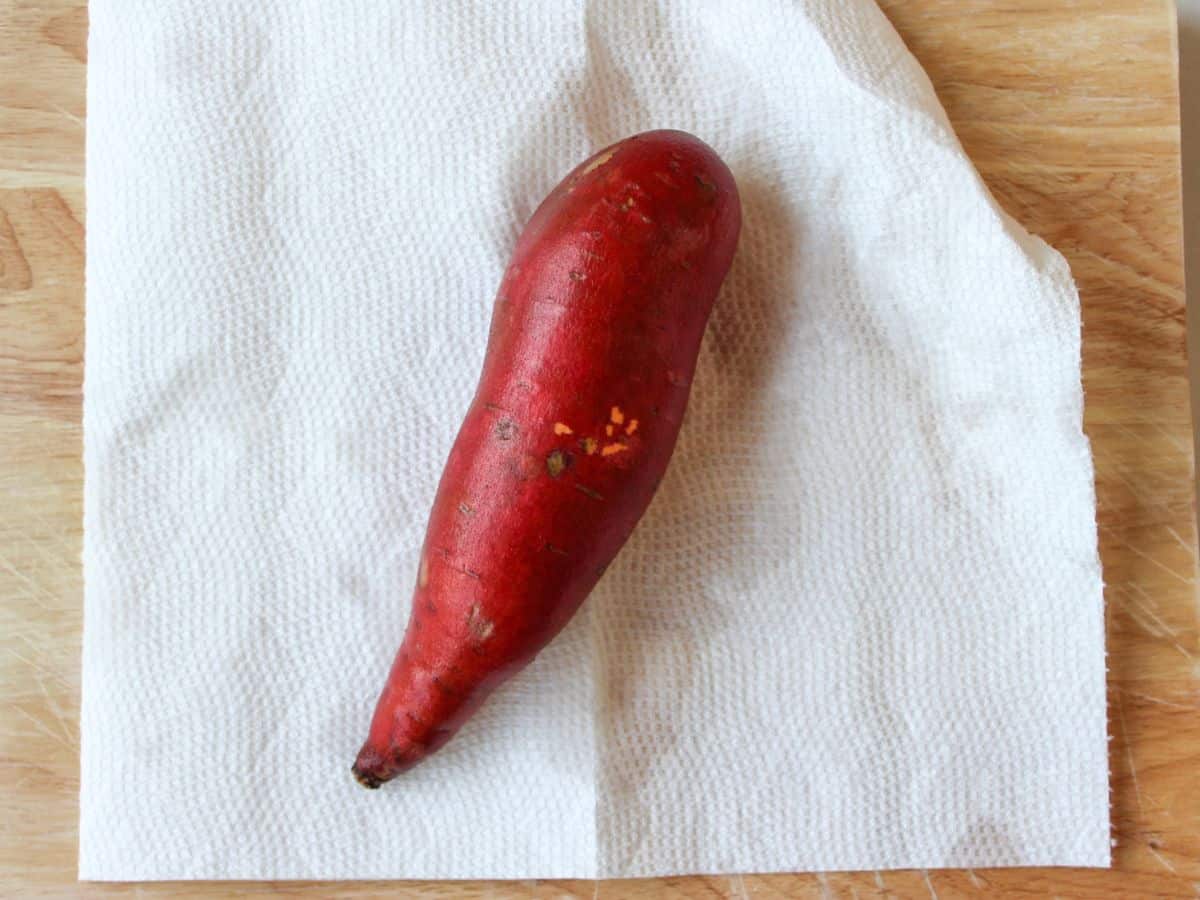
594	339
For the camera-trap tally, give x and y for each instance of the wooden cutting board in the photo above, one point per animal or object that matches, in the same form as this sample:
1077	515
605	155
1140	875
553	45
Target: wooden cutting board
1069	109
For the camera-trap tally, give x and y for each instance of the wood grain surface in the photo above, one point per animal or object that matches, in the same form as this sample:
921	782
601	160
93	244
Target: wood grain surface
1069	109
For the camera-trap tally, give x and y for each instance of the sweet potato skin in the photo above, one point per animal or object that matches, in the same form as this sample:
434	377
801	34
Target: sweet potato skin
594	339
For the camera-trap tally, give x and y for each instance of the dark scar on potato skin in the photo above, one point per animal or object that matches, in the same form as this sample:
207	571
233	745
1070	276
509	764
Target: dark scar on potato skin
584	489
557	462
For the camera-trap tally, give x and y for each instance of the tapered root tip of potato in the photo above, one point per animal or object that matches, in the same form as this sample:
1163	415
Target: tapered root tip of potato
370	771
366	779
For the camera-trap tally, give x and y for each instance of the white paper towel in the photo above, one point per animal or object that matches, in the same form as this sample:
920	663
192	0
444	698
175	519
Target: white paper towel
861	626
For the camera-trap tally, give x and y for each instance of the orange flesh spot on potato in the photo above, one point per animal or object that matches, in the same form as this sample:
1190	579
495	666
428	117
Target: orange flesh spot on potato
589	446
608	430
617	416
560	428
610	449
631	427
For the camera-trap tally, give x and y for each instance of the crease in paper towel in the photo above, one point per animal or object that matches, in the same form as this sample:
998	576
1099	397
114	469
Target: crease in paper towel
852	631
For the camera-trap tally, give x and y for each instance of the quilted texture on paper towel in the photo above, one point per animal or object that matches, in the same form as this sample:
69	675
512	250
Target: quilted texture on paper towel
861	625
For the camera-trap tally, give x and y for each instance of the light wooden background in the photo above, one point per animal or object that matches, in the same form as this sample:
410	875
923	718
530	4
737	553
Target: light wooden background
1068	107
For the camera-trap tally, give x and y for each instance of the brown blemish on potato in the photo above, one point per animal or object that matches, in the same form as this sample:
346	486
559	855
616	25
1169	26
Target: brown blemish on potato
589	445
506	430
584	489
612	449
559	550
479	627
423	572
645	218
557	462
707	186
628	204
561	428
466	509
576	275
598	162
618	417
632	426
441	685
492	407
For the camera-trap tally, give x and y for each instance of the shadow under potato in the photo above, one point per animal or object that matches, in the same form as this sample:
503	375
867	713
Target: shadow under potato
653	637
